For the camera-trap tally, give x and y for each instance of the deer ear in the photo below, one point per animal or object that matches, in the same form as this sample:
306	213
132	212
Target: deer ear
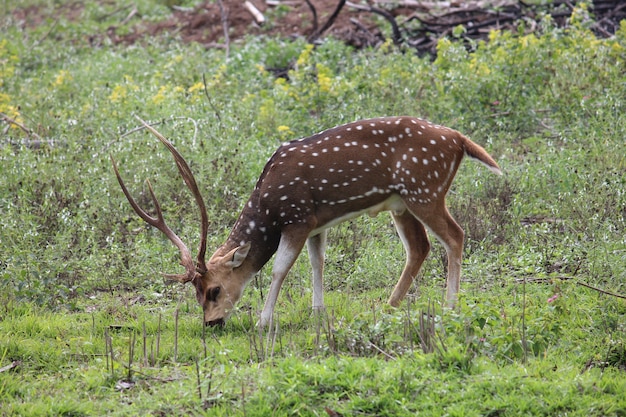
238	256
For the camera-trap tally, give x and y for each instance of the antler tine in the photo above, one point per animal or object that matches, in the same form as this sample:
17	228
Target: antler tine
159	223
190	180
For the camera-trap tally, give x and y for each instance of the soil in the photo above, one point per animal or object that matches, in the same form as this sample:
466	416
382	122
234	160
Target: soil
410	23
290	19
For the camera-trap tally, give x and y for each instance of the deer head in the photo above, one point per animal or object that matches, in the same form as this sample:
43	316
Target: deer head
217	285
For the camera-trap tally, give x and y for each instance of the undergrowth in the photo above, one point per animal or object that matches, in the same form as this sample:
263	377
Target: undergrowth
89	327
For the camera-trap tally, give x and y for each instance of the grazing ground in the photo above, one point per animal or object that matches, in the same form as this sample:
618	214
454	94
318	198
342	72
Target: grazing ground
89	327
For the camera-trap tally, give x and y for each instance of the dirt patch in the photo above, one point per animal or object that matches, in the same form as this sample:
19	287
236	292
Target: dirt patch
206	23
411	23
416	24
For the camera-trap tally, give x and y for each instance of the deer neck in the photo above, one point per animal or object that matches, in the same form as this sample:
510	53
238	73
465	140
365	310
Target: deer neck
253	226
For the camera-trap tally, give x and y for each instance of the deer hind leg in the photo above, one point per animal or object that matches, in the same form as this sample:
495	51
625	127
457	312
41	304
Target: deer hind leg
416	244
316	246
451	236
290	246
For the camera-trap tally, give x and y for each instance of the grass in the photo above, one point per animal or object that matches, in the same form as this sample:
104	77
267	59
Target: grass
89	328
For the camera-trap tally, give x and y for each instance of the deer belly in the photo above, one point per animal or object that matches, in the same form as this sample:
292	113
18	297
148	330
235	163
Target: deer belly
394	203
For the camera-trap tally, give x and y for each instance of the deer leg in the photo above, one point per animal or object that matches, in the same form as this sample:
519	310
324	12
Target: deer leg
288	250
416	244
451	236
316	246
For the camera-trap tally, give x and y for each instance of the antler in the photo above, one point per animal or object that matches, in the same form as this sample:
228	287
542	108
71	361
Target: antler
159	222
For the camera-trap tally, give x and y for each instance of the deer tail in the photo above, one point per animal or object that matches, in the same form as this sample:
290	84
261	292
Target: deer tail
475	151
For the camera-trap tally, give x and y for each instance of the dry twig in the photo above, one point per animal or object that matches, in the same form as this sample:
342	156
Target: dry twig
256	13
26	130
397	36
10	366
315	35
565	278
314	13
224	15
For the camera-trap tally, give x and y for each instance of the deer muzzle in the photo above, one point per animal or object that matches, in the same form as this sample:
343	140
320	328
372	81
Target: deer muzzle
215	323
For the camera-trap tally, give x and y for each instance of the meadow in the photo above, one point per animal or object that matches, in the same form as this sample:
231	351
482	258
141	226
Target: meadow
88	325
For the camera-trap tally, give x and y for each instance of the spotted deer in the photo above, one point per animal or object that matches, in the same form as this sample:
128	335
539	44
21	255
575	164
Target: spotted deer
404	165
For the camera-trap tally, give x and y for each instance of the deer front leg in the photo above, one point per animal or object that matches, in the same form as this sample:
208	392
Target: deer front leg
316	246
289	248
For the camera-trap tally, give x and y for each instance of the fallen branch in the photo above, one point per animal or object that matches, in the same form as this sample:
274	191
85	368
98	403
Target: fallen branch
256	13
224	17
397	36
315	35
371	38
383	352
612	294
132	14
314	13
26	130
564	278
10	366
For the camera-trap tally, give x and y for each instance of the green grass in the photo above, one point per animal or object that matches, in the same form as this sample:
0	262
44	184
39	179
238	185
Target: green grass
80	274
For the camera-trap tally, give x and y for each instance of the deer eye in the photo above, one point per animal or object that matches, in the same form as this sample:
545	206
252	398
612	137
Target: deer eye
212	293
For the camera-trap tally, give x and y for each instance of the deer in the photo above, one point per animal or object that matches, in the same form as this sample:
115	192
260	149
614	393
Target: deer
404	165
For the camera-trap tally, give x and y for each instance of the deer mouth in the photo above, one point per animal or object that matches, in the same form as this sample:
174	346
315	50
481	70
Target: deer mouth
215	323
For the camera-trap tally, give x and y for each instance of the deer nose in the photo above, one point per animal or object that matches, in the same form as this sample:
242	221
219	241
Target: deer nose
217	322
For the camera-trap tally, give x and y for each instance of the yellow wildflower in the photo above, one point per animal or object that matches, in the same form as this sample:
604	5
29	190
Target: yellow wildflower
199	86
159	97
305	55
175	61
494	35
118	94
285	132
9	110
323	78
480	68
61	78
528	40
